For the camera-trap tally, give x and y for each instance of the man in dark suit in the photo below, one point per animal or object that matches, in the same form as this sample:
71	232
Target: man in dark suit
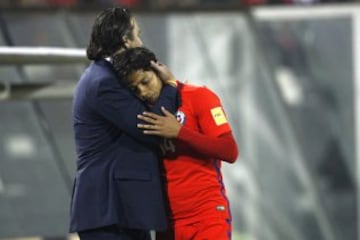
118	191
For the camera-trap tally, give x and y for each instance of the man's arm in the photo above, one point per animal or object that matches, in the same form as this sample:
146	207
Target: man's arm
116	103
222	147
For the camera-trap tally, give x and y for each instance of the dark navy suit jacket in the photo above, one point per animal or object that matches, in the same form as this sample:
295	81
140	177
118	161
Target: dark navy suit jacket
118	178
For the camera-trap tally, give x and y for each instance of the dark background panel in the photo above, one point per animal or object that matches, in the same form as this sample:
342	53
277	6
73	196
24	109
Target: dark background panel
37	154
48	29
34	197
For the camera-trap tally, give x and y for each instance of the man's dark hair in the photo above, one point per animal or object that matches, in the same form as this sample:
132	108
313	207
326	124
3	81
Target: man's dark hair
109	28
132	59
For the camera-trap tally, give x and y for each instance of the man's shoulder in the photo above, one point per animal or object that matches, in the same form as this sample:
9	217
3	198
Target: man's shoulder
98	71
98	77
101	66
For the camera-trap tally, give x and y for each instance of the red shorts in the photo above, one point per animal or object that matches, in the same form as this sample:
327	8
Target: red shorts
212	228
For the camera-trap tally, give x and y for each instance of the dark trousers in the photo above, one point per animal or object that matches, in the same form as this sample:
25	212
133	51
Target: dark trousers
114	232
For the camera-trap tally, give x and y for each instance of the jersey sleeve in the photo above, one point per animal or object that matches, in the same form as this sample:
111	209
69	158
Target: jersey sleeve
223	147
210	113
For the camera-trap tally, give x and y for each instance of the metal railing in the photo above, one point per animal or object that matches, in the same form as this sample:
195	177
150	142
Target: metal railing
38	55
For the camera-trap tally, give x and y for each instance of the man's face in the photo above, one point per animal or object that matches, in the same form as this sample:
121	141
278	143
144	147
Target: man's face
146	85
135	41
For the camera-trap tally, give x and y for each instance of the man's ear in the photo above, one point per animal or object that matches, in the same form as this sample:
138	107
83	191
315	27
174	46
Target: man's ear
126	41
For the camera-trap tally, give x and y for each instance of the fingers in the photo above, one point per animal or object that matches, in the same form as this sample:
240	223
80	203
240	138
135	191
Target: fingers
147	126
162	70
166	112
149	117
149	129
148	132
154	118
154	124
156	66
152	115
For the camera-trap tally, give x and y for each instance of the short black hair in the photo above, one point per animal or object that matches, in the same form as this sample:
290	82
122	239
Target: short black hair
132	59
109	28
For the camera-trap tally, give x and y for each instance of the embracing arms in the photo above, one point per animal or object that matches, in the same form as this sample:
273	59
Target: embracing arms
222	147
120	106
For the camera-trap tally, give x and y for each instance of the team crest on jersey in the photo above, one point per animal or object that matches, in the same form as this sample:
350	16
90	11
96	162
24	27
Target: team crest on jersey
180	116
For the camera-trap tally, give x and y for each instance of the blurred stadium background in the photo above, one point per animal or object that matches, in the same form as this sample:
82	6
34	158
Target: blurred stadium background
284	69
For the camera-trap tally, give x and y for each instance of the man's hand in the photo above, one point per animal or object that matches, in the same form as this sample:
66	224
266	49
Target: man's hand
165	126
164	73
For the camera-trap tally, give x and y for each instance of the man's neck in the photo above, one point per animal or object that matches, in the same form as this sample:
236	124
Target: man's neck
120	50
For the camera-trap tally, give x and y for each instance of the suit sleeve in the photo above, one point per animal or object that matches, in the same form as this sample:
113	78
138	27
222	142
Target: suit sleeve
116	103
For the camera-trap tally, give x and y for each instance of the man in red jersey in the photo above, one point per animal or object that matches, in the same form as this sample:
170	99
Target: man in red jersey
195	143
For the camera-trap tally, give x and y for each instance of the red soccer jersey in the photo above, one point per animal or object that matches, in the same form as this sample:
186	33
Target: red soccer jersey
195	186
